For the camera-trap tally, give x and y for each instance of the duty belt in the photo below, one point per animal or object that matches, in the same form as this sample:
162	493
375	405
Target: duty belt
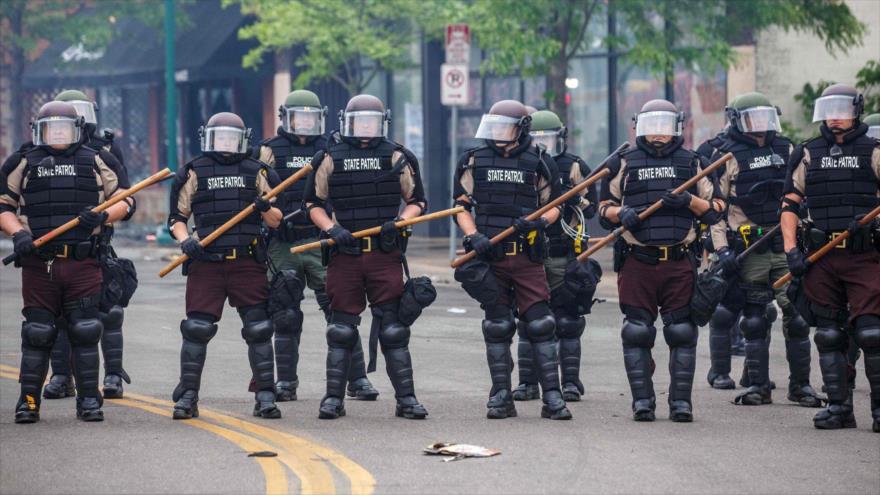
294	233
859	242
79	251
229	254
656	254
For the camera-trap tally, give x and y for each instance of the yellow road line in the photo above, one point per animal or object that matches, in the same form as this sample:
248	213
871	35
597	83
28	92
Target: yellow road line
273	471
306	459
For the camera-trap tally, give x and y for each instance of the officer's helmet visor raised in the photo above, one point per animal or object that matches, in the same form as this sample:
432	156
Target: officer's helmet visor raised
758	119
658	124
550	140
499	128
303	121
874	131
834	107
224	139
86	110
367	124
51	131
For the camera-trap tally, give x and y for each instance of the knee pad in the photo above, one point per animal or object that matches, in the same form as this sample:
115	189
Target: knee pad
499	329
288	322
638	333
723	317
395	335
198	328
569	327
754	324
541	329
868	332
38	330
257	331
829	337
85	331
341	335
680	334
797	327
113	318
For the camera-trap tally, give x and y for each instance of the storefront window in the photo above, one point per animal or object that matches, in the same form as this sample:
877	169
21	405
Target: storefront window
635	87
702	97
588	108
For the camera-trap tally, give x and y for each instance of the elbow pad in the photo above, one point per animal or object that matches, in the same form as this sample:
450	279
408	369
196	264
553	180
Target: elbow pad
607	224
712	216
132	207
790	205
464	204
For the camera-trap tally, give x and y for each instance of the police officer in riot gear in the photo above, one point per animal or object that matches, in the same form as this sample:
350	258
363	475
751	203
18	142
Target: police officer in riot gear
838	175
500	184
52	182
566	238
212	188
60	385
752	183
654	261
360	182
299	139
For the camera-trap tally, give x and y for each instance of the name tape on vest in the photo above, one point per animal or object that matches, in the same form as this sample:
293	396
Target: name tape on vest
298	162
840	162
761	162
358	164
56	171
657	173
225	182
503	175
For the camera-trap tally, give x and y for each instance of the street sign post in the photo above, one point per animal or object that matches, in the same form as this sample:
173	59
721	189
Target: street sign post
454	92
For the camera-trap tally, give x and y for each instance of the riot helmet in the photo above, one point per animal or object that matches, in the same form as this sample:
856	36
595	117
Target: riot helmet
752	113
505	123
225	133
873	123
547	130
838	102
84	106
302	114
658	118
365	118
57	125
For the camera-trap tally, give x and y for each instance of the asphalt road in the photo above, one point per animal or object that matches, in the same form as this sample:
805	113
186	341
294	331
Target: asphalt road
139	449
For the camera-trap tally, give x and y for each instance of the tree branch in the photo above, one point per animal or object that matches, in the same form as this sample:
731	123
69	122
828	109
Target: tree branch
588	14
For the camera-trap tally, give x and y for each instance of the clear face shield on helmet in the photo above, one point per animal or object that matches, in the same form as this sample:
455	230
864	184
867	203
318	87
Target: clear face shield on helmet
834	107
553	141
303	121
57	131
758	119
225	139
499	128
658	124
366	124
86	110
874	131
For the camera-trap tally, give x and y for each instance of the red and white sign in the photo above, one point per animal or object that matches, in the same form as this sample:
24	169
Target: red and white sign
458	44
454	84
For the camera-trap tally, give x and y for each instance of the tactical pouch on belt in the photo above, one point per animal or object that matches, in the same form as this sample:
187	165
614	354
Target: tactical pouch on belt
119	280
418	294
478	280
621	250
579	285
285	291
535	246
709	290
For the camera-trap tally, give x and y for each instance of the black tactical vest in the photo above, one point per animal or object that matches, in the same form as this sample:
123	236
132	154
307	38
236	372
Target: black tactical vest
290	157
364	186
560	243
839	188
505	188
647	179
222	191
55	194
761	178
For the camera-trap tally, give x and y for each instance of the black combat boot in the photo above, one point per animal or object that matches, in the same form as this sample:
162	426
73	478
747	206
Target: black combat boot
285	391
59	387
186	405
89	408
264	406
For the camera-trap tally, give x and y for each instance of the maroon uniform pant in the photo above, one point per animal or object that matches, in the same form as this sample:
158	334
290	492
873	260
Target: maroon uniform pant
210	283
526	278
841	277
352	280
668	285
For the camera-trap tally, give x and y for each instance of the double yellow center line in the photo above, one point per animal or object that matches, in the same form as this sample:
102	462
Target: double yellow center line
308	461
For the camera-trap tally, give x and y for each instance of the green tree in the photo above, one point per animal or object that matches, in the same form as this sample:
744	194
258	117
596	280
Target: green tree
343	40
540	37
91	23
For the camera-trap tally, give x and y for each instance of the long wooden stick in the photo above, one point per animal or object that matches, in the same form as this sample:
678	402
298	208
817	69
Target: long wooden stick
149	181
822	251
250	209
376	230
601	171
654	207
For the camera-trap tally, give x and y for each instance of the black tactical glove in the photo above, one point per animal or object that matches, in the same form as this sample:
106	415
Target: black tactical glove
262	205
89	220
590	211
629	217
854	224
523	226
797	262
341	236
192	248
478	242
389	236
23	243
676	201
727	261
